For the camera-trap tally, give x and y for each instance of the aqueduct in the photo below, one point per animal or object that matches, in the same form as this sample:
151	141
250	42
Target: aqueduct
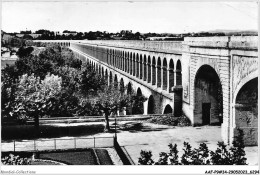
212	80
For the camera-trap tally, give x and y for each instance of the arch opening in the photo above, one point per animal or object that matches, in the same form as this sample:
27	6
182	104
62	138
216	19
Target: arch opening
110	78
141	67
151	105
153	71
246	112
106	76
129	91
178	73
145	68
115	82
171	74
167	109
137	65
208	101
159	76
138	106
122	86
134	71
165	76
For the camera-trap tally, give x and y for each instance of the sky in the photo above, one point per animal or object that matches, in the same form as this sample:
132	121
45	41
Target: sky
111	16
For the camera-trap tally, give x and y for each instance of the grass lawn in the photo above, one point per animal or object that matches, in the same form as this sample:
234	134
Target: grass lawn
103	157
86	157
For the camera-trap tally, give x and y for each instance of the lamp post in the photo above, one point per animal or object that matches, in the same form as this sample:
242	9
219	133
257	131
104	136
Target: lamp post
115	128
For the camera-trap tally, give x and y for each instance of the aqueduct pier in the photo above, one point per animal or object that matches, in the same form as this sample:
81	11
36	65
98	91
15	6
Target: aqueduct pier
212	80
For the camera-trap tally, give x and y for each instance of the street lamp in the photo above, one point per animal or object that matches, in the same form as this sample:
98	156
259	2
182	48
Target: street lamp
115	128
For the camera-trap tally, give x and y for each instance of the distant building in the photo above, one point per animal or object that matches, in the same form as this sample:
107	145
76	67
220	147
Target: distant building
67	33
165	38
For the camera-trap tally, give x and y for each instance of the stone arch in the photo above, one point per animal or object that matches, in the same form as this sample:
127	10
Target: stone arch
138	106
119	57
134	71
208	97
167	109
159	75
126	62
110	78
178	73
129	91
153	71
137	65
145	68
102	72
149	68
109	56
122	86
129	88
151	105
123	61
165	74
99	69
141	66
246	112
116	82
106	76
131	63
171	73
114	57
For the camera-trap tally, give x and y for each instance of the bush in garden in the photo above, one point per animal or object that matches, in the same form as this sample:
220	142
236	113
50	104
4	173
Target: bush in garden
235	155
15	160
146	158
171	120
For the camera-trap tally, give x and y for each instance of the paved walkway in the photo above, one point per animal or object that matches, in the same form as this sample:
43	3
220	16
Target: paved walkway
156	138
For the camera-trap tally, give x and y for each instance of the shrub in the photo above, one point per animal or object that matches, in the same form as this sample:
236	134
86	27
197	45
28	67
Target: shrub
171	120
146	158
201	156
15	160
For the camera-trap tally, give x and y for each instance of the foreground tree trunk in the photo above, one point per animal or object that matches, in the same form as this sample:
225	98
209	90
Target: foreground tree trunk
107	128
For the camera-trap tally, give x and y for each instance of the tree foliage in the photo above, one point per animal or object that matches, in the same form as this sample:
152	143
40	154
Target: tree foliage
35	97
111	100
78	81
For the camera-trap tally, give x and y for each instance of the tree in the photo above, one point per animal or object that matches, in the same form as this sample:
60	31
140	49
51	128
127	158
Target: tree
109	101
90	80
24	51
9	77
34	96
